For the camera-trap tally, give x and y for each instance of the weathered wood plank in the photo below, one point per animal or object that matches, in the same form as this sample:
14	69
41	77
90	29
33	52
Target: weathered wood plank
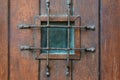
3	39
110	40
23	65
87	67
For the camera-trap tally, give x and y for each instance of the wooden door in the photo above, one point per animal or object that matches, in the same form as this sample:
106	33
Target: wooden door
103	64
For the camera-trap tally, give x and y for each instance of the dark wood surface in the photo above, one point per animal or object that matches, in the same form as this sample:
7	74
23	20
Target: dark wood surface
3	39
23	65
110	40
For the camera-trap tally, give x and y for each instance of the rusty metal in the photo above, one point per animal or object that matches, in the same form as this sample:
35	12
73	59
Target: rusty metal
68	40
47	71
91	49
68	49
67	71
26	47
48	23
24	26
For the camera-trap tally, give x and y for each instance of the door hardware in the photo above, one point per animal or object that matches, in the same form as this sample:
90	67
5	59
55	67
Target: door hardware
25	26
47	71
68	36
48	43
67	71
26	47
48	26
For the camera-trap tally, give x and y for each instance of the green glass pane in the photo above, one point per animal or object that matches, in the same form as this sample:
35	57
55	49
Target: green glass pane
57	38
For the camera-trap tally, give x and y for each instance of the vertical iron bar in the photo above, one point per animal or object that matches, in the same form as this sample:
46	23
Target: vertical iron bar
68	40
48	25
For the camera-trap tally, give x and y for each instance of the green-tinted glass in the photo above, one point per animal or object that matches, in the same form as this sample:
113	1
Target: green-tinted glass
57	38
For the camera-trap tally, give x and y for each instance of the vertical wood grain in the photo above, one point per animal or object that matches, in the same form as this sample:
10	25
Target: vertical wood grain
23	65
110	40
3	39
87	67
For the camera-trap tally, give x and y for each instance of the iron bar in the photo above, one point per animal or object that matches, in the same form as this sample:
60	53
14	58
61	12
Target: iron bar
68	40
34	48
25	47
56	26
48	23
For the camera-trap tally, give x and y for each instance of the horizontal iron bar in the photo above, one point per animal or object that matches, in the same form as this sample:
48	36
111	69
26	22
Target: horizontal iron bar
91	49
24	26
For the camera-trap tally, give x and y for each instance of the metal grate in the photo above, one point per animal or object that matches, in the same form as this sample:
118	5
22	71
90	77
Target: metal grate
48	26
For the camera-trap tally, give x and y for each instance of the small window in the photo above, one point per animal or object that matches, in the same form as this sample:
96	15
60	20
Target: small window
57	38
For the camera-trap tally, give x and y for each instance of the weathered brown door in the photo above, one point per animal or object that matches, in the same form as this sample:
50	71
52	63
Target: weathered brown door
103	64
